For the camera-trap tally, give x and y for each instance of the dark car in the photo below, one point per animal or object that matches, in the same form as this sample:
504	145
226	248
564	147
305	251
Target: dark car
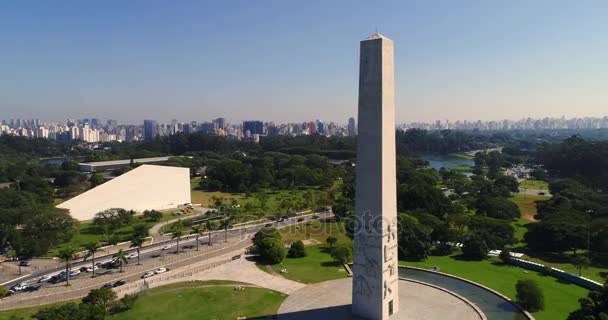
25	263
83	269
31	288
119	283
107	285
268	225
300	219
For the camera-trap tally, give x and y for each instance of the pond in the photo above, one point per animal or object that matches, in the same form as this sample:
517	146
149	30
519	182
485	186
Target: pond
492	305
438	161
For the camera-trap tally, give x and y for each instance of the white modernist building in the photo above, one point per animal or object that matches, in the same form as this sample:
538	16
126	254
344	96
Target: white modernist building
147	187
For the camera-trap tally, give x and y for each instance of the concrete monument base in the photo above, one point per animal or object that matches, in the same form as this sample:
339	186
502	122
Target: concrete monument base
332	300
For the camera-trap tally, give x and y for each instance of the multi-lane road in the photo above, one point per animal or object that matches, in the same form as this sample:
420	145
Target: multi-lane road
158	250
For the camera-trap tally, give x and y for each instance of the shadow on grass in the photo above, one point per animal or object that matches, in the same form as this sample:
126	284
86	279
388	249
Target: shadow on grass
331	264
337	312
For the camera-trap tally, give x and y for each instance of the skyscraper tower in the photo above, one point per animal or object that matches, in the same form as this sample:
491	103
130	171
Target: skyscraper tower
375	293
352	127
150	130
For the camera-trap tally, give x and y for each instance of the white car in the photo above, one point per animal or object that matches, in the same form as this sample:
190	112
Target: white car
160	270
167	247
147	274
132	255
45	278
21	286
74	273
91	269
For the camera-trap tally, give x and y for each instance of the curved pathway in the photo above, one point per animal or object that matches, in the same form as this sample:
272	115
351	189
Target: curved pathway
332	300
246	271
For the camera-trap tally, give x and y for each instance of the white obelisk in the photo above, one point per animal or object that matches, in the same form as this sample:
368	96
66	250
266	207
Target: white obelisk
375	273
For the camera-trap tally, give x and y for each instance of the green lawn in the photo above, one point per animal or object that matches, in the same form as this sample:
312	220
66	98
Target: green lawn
462	169
560	298
27	313
534	184
462	156
250	205
203	303
316	230
317	266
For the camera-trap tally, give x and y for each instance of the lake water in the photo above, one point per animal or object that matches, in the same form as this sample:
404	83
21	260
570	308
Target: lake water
446	161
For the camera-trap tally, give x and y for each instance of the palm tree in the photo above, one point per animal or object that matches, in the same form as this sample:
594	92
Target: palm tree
197	230
91	248
210	226
226	224
121	255
177	234
66	254
138	242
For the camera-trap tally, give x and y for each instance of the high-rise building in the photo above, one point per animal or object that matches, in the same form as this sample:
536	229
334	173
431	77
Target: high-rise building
375	271
220	123
352	127
253	127
150	130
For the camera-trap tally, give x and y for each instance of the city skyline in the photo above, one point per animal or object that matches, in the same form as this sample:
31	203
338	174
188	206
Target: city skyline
192	60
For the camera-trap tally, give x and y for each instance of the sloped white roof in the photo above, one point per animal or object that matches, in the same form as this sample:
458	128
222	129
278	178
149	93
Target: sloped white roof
144	188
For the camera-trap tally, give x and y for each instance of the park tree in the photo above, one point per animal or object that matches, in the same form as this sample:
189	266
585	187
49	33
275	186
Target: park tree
96	180
593	307
414	242
506	185
140	230
68	311
581	262
271	250
331	241
555	235
505	255
529	295
296	250
102	297
3	292
498	208
153	215
269	245
342	253
475	248
538	174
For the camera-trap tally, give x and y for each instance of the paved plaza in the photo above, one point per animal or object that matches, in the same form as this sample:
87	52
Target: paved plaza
332	300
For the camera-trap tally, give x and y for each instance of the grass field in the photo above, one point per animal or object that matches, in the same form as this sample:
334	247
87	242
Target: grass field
462	156
188	302
560	298
462	169
316	230
534	184
27	313
317	266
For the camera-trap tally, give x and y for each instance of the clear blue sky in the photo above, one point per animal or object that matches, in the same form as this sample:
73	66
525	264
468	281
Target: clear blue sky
297	60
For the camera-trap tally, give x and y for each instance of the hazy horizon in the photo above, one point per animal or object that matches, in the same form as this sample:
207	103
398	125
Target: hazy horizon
290	62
